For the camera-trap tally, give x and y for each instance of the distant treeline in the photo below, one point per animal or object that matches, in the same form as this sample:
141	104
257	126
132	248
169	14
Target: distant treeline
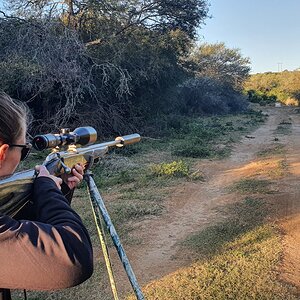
114	64
271	87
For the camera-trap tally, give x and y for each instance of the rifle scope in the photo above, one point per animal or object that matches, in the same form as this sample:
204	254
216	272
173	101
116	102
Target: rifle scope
81	136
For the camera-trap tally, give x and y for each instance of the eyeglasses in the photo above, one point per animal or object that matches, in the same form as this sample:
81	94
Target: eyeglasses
25	149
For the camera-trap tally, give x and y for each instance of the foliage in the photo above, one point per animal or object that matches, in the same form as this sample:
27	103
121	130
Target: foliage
111	63
216	86
220	63
284	86
260	97
175	168
116	64
205	95
157	15
54	81
151	60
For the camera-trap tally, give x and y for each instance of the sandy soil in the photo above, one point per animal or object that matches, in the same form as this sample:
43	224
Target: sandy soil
191	206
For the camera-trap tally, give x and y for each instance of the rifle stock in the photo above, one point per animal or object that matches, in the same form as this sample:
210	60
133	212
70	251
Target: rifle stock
16	190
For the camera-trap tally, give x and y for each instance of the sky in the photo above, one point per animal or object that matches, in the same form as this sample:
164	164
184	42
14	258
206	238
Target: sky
266	31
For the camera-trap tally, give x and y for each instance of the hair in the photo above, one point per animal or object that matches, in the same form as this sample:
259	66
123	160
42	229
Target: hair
13	115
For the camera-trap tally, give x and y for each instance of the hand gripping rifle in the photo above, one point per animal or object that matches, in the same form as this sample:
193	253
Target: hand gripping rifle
68	149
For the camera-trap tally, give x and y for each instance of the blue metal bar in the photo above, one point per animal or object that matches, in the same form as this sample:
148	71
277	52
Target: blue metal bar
100	229
96	197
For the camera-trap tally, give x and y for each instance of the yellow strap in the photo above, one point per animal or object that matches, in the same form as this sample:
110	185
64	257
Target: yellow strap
104	250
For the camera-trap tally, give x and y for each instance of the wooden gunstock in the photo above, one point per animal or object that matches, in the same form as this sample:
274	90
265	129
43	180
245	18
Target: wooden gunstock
15	192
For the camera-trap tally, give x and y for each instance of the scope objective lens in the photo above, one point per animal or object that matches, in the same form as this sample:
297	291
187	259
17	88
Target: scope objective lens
39	143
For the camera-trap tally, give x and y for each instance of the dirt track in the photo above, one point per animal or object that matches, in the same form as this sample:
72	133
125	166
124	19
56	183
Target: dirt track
192	206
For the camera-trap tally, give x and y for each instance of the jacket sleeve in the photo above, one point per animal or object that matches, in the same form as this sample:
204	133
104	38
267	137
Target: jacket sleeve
53	252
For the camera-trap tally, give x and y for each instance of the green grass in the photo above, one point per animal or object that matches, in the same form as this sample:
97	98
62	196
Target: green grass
284	128
202	150
252	185
202	138
197	137
276	149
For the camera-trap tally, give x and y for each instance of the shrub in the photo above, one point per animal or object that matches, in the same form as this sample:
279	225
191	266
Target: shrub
173	169
260	97
204	95
281	85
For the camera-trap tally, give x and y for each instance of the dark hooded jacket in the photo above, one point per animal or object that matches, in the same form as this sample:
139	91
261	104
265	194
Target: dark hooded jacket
51	250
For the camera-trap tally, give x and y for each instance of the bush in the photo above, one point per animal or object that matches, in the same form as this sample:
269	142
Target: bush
173	169
206	95
281	85
261	98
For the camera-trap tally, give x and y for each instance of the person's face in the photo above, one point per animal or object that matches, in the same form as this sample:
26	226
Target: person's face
10	156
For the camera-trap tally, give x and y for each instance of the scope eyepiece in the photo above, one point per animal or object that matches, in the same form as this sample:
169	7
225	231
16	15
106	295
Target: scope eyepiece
81	136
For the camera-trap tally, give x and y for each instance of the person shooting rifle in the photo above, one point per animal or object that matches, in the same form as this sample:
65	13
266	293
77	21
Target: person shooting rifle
43	243
48	247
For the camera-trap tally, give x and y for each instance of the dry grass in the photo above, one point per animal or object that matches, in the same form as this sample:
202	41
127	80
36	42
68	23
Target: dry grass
238	257
245	270
276	149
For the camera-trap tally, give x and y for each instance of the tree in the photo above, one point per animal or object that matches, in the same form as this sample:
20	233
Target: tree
219	62
159	15
285	86
127	54
206	95
51	70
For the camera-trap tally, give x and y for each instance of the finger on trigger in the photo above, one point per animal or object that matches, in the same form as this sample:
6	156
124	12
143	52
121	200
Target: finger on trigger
79	170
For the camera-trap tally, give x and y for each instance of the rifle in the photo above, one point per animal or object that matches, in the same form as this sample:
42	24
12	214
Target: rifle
69	148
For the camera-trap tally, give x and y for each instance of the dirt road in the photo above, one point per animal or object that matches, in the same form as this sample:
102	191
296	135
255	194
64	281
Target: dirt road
192	205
